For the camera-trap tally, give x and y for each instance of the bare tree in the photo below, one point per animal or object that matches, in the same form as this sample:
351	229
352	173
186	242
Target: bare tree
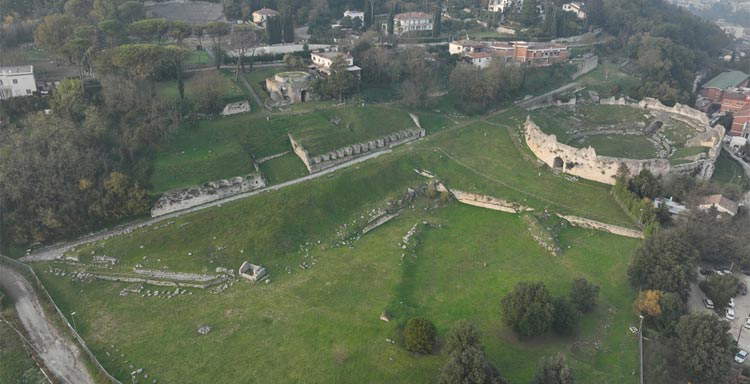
243	40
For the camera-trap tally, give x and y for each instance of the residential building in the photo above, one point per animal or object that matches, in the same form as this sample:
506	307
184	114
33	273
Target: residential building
480	59
262	15
522	52
741	123
575	7
411	22
501	5
735	99
714	88
673	207
721	203
355	15
17	81
323	61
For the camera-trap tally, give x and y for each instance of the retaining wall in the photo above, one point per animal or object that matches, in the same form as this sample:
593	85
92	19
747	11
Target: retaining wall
184	198
599	226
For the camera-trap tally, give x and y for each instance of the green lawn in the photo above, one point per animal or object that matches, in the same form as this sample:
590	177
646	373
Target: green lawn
231	91
326	130
257	79
16	366
609	80
284	168
728	171
322	323
632	147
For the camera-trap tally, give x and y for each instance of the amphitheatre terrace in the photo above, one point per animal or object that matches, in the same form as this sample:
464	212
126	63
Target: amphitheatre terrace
591	138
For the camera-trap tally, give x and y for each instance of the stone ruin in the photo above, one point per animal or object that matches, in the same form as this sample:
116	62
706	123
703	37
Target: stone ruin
236	108
252	272
290	87
316	163
184	198
585	163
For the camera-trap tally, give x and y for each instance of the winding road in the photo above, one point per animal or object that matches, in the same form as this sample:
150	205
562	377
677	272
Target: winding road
61	356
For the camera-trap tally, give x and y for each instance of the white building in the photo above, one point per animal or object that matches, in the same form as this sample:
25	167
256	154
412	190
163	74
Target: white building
324	60
575	7
501	5
261	16
411	22
17	81
355	15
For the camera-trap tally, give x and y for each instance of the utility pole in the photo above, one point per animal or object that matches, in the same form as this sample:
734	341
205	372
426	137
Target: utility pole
640	344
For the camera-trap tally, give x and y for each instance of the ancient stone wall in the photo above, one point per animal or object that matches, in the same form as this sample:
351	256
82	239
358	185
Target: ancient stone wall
599	226
488	202
184	198
585	163
316	163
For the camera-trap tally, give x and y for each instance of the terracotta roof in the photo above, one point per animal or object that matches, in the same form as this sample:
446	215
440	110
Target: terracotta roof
720	202
412	15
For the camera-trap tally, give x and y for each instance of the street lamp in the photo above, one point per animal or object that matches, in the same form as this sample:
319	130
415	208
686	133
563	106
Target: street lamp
640	343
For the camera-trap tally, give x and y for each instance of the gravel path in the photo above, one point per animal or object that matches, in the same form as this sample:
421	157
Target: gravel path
61	357
56	251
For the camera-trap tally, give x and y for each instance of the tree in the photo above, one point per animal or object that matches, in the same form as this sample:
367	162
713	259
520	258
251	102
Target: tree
645	184
131	11
595	13
420	335
243	39
584	295
274	30
467	363
293	61
704	347
648	303
149	29
672	308
217	30
55	31
206	93
666	262
67	101
528	309
720	289
554	370
437	20
339	82
565	317
287	28
179	30
463	335
530	13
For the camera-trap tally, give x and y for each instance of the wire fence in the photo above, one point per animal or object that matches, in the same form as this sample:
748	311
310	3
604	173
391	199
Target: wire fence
46	299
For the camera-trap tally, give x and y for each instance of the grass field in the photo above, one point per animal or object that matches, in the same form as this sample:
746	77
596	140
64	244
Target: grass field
327	130
322	323
16	366
609	80
284	168
231	91
728	171
632	147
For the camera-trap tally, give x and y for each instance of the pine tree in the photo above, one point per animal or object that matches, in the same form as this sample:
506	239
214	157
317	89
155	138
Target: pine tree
437	20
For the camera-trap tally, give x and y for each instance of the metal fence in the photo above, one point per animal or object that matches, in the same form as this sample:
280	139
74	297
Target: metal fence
44	296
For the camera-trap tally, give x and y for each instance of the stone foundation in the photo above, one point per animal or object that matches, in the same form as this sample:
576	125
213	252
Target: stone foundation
179	199
316	163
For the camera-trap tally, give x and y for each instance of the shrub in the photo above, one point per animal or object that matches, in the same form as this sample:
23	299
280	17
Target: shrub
554	370
462	336
528	309
584	295
565	317
420	335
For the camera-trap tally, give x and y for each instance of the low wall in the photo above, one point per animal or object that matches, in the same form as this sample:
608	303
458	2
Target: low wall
489	202
599	226
184	198
342	155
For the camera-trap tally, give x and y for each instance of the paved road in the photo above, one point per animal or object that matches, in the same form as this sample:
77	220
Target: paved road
56	251
61	357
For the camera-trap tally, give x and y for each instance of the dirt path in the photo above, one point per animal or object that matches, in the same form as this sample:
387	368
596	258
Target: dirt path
62	357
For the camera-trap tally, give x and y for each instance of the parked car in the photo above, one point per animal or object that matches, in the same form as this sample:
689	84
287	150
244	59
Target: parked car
741	356
708	303
730	314
720	273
